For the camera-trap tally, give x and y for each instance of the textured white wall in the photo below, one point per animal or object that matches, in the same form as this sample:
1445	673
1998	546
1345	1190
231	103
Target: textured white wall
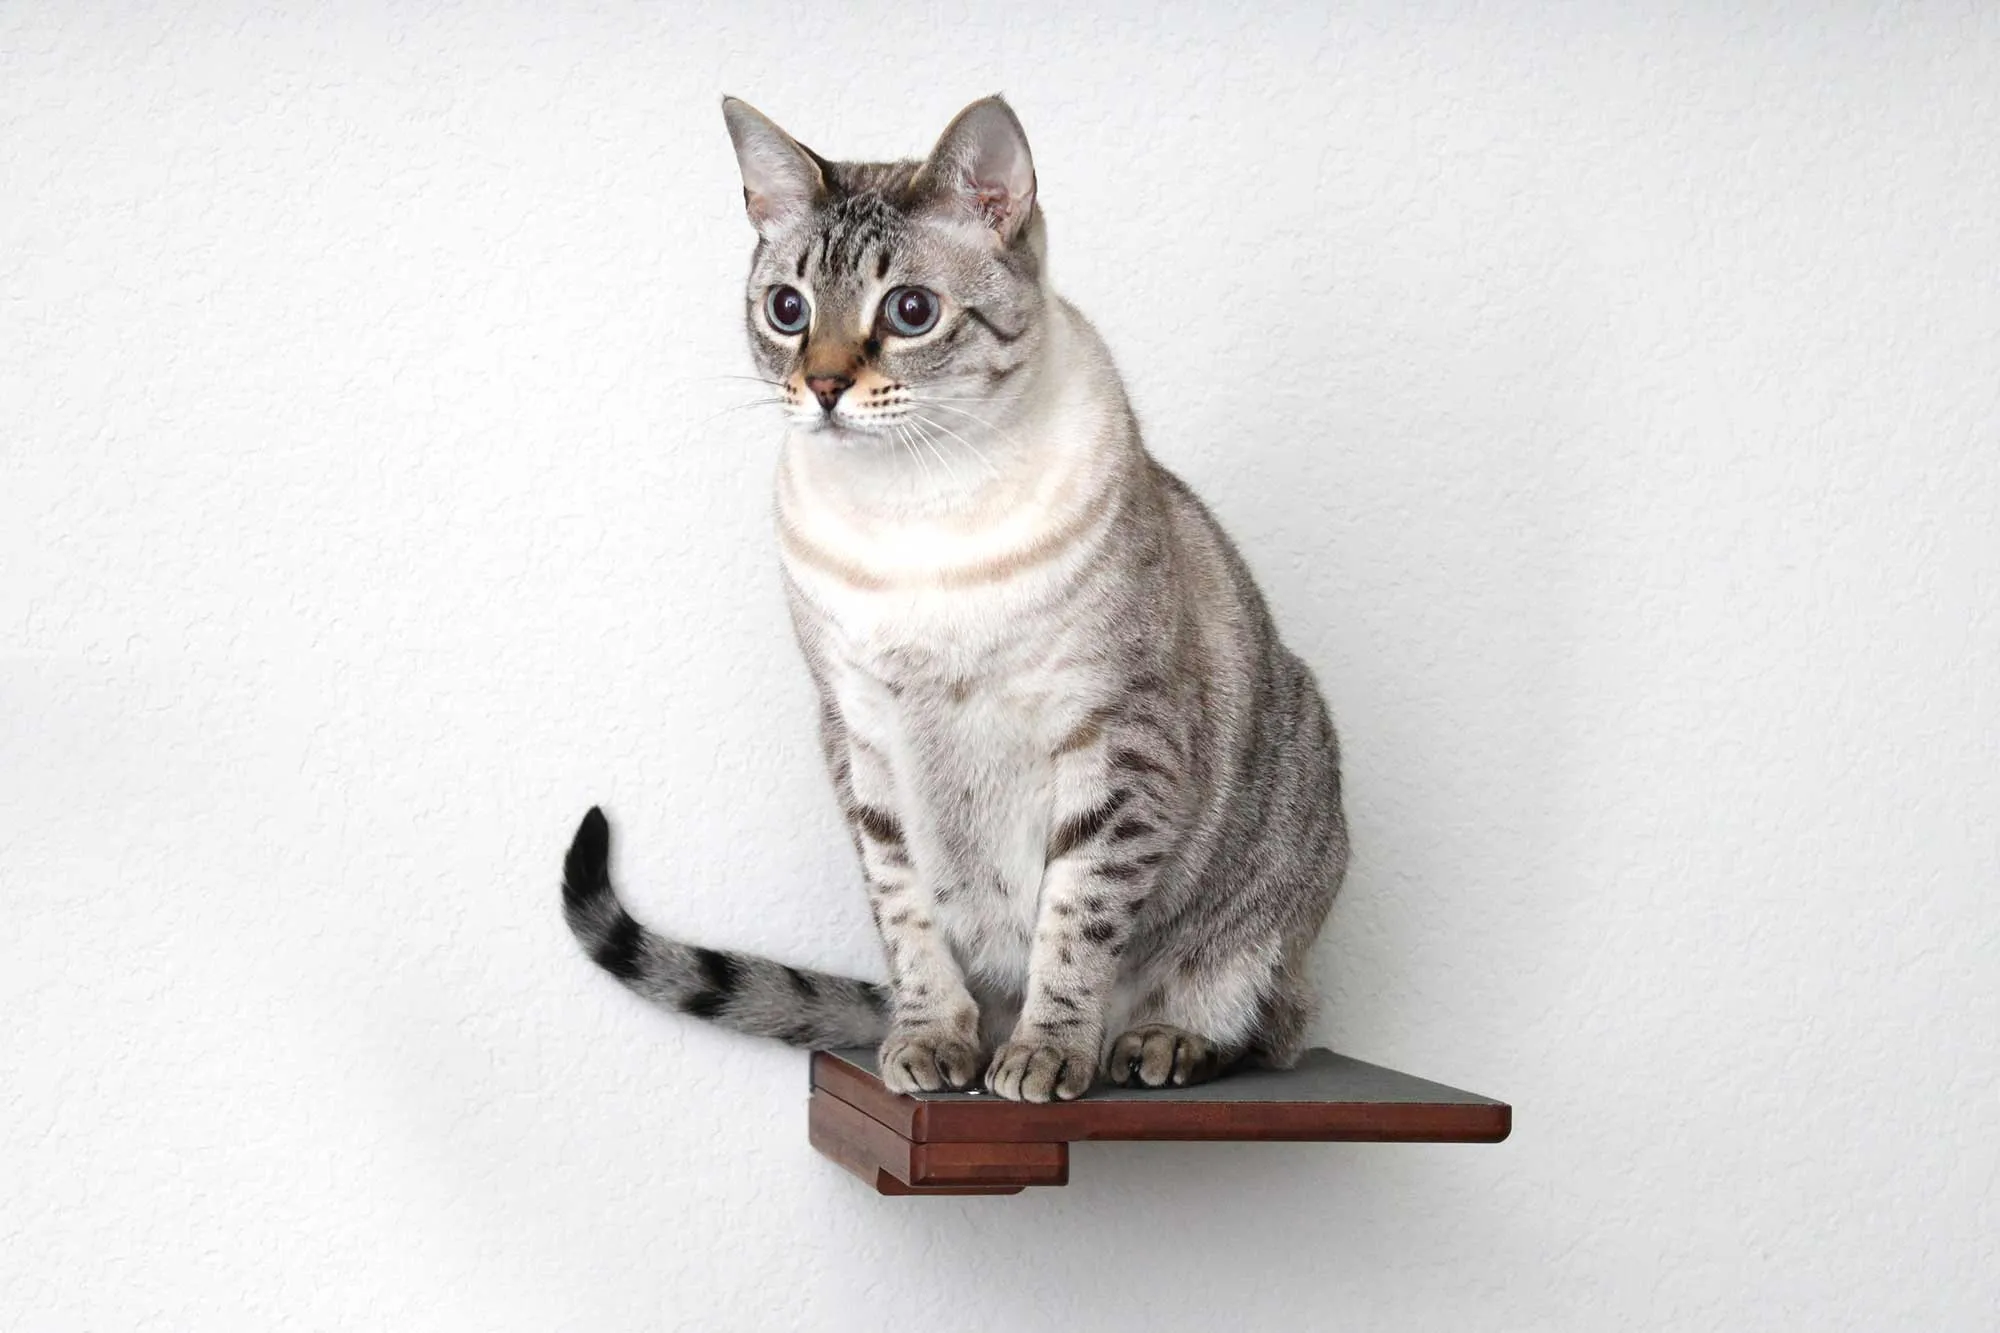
1611	405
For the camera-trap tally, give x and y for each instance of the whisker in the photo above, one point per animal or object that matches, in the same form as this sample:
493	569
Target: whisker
741	407
931	445
946	404
974	417
976	451
909	445
754	379
928	398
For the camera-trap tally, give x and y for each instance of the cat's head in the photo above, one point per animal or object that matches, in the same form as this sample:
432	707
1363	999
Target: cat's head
894	299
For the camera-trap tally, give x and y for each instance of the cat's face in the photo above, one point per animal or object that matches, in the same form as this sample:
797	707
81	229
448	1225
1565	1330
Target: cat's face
898	300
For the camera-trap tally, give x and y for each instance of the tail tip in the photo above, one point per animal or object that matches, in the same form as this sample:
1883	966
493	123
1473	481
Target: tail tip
595	827
584	869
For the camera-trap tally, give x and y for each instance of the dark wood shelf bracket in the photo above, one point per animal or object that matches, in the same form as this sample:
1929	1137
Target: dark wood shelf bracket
970	1143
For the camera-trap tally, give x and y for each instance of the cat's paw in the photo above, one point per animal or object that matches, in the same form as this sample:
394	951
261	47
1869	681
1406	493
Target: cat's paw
1155	1055
928	1060
1037	1067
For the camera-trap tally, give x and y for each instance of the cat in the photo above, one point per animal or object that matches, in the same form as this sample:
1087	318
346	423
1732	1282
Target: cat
1092	793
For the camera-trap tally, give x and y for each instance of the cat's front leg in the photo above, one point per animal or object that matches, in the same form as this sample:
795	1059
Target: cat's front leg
933	1039
1103	860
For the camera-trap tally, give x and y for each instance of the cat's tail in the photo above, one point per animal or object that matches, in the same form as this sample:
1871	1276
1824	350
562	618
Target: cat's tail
749	994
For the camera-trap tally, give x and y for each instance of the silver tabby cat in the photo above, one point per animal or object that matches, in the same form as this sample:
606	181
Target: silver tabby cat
1094	796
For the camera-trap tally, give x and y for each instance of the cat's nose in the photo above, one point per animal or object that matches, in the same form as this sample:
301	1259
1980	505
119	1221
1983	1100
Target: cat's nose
828	388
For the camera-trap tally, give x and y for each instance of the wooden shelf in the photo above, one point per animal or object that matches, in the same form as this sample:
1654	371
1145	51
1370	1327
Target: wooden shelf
975	1143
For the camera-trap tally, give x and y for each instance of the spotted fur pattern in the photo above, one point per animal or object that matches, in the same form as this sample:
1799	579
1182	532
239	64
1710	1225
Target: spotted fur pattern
1095	799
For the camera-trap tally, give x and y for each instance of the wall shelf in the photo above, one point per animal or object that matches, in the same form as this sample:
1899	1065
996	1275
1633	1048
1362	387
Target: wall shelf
975	1143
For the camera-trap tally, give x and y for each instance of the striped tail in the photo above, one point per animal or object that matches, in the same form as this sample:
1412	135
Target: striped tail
749	994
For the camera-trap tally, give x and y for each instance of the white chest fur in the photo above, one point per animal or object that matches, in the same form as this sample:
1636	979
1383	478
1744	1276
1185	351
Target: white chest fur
945	641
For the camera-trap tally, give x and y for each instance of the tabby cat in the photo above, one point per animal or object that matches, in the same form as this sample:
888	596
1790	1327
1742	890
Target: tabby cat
1093	795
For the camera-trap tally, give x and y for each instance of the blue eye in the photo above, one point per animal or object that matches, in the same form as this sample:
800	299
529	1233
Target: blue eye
910	311
787	309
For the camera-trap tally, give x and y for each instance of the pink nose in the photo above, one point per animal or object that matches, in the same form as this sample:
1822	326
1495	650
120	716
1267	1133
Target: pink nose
828	388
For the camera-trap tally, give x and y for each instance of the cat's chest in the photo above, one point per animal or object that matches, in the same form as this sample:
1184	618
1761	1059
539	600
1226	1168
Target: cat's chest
939	599
936	637
969	728
974	780
969	753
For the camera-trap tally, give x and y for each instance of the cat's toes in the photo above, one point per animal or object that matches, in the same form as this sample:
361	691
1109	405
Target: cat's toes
928	1060
1039	1069
1155	1055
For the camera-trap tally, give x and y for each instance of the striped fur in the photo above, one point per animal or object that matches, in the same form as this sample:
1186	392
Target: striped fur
1095	799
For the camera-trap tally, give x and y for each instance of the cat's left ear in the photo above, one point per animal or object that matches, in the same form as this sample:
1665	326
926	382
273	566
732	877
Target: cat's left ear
982	166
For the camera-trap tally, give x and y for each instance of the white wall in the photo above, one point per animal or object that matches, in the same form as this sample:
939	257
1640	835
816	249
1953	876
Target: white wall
1609	404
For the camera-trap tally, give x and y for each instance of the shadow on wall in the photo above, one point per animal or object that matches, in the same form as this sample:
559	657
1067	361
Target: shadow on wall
1230	1227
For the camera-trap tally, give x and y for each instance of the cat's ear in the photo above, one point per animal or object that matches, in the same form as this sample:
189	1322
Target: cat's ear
982	166
781	176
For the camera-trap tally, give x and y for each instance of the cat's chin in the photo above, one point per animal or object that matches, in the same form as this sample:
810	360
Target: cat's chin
845	433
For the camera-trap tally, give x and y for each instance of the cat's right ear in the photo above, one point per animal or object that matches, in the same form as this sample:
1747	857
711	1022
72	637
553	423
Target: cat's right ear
781	176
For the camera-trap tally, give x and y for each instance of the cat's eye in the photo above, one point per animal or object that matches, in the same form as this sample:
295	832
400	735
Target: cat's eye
787	309
910	311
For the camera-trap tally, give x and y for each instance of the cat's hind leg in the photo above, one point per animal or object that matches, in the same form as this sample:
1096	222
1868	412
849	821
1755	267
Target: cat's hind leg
1154	1055
1194	1021
1190	1024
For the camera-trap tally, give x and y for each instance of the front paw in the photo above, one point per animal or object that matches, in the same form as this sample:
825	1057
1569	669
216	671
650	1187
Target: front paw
928	1060
1040	1067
